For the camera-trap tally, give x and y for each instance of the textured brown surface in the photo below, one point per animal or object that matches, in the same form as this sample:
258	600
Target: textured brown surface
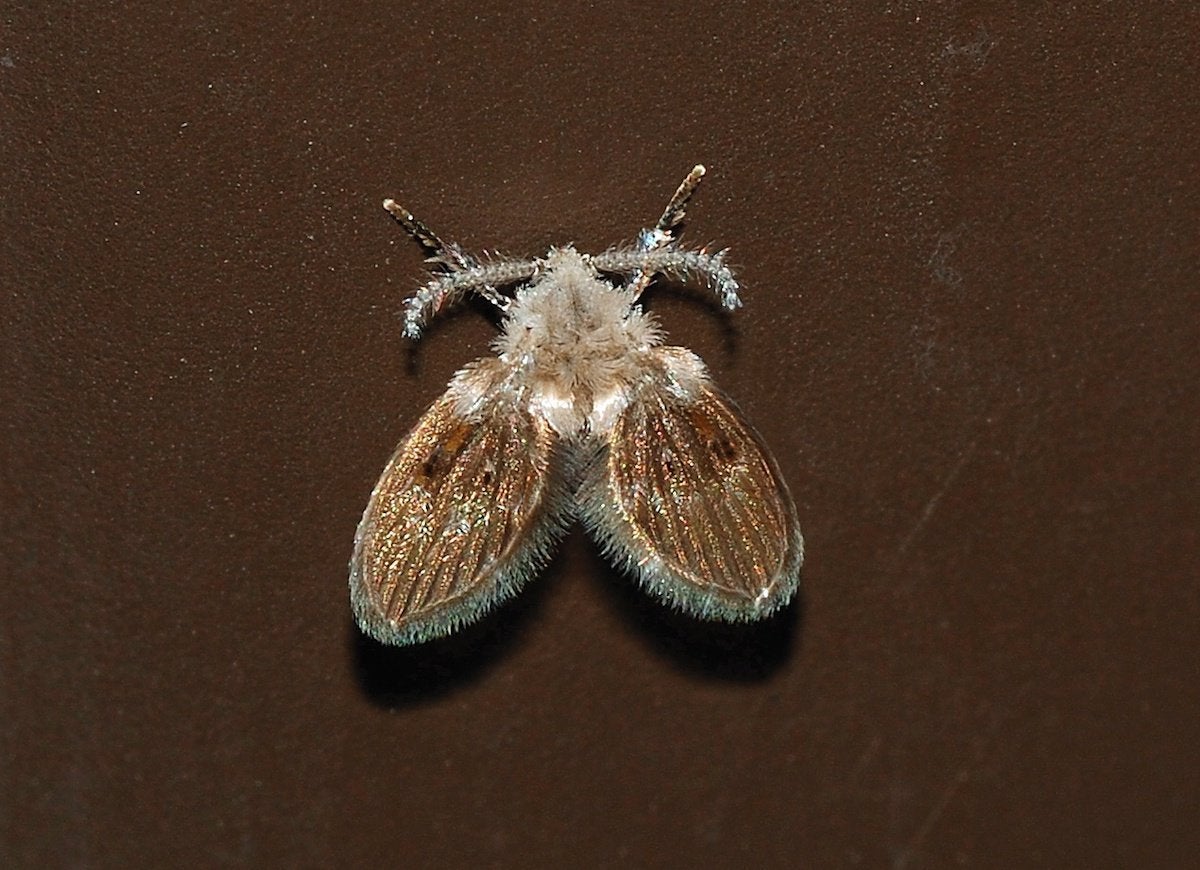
968	236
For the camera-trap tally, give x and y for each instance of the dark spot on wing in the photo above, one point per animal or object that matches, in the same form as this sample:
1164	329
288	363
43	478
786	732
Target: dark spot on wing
443	454
723	448
710	434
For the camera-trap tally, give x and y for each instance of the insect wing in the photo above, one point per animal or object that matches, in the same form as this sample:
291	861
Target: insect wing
686	496
463	514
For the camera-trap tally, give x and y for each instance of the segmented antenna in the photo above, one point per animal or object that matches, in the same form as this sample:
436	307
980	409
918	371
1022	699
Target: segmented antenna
665	231
460	273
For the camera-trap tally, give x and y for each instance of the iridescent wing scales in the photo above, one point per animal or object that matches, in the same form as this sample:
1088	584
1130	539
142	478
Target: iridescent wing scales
686	496
462	516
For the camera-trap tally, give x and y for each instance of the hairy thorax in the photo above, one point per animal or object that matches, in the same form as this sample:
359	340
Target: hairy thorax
578	343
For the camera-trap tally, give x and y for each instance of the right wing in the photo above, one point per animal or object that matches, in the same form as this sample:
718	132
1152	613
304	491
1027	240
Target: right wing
686	496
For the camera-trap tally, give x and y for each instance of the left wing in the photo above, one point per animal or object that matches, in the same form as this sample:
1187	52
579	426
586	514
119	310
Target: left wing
463	515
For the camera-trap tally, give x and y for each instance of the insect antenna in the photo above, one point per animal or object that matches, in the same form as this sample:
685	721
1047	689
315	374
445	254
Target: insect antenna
459	274
656	253
666	231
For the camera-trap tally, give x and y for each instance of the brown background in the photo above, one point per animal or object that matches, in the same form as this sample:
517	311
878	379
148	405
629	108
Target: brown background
968	237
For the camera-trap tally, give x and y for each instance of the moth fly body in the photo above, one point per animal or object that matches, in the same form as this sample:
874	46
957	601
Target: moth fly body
583	413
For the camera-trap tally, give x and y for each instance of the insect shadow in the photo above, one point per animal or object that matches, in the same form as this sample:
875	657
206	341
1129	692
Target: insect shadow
739	652
395	677
413	353
687	298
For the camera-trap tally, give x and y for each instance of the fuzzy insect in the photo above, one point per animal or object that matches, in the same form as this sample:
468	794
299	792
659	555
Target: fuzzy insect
583	413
